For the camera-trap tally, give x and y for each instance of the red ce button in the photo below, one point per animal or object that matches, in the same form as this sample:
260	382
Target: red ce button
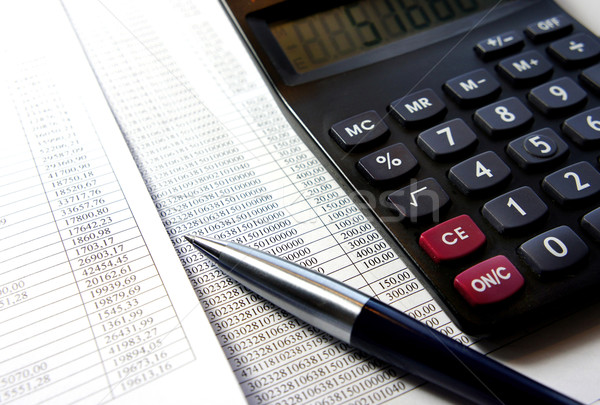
452	239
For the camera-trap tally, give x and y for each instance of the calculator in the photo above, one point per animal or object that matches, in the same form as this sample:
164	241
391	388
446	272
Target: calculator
470	128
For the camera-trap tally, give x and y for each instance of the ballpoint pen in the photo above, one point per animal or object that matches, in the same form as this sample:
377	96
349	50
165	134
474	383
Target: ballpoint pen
376	328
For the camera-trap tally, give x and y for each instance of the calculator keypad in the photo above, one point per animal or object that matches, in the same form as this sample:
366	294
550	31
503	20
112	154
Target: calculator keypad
453	239
390	164
549	29
488	172
480	173
553	251
584	128
573	184
418	109
360	131
499	45
473	88
422	201
558	97
525	69
538	150
504	117
515	210
575	51
489	282
591	78
447	140
591	223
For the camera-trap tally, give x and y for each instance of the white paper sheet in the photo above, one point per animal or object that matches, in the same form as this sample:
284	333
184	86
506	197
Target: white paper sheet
94	303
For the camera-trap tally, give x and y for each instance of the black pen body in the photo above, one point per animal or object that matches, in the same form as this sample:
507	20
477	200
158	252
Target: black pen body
402	341
376	328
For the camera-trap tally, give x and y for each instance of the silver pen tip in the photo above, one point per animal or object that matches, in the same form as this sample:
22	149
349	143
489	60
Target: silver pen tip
209	246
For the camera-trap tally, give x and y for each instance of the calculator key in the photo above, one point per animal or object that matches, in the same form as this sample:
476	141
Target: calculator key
491	281
360	131
452	239
499	45
516	210
504	117
538	150
479	173
591	78
576	50
474	88
553	251
391	163
549	28
591	223
418	109
447	140
525	69
573	184
422	201
558	97
584	128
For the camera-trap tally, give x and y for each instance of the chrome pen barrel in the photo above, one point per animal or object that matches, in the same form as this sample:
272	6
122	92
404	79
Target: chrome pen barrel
311	296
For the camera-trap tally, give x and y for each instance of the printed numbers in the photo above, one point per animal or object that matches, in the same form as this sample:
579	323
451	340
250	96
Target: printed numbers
558	91
537	142
446	131
575	177
592	123
481	170
504	114
556	243
504	117
512	203
573	184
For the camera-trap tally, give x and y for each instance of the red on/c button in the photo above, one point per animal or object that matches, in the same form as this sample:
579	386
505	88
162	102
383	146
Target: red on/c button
452	239
490	281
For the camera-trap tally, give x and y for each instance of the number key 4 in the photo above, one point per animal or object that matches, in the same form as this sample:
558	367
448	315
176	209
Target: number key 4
479	173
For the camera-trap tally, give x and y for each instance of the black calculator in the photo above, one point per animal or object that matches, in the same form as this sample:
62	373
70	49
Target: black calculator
471	128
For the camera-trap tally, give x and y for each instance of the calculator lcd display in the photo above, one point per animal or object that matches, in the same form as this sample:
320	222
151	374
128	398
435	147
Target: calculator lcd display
325	37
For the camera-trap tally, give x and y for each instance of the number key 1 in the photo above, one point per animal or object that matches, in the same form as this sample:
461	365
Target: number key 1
515	210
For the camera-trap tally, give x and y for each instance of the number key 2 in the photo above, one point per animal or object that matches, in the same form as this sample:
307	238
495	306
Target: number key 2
573	184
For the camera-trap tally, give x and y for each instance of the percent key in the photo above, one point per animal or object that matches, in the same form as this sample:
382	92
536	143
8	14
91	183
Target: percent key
390	164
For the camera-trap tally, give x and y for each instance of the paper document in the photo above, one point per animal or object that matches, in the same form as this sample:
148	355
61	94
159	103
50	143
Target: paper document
219	159
94	303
